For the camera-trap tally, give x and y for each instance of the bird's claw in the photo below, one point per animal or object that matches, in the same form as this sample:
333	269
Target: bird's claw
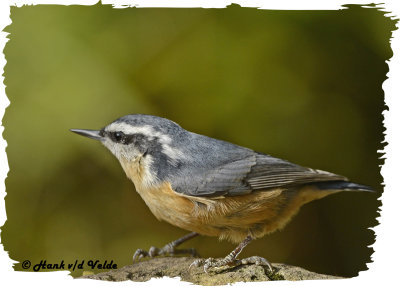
153	252
257	260
166	250
139	254
196	263
212	263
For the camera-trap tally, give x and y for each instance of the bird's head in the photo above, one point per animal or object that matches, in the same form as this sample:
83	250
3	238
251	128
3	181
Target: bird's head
138	141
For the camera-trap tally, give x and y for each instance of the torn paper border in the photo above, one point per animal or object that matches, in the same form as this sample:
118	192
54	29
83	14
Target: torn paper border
386	248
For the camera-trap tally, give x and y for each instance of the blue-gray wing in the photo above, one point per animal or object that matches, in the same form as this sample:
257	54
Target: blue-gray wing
254	172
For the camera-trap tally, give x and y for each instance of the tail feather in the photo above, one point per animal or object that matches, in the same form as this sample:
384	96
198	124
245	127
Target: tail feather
342	185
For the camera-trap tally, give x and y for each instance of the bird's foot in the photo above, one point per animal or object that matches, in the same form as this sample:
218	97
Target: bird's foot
167	250
210	263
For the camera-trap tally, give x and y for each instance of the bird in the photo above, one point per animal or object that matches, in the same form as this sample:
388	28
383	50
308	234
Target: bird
211	187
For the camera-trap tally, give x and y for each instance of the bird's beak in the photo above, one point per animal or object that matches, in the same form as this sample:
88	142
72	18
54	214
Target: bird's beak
94	134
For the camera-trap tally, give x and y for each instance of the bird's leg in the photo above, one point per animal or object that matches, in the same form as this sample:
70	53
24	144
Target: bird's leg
230	259
169	249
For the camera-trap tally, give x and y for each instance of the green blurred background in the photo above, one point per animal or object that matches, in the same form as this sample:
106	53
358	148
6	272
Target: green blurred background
301	85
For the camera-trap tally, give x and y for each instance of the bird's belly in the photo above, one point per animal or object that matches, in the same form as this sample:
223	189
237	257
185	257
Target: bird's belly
173	208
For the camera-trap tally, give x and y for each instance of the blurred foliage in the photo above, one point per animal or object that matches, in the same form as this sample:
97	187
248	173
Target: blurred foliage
301	85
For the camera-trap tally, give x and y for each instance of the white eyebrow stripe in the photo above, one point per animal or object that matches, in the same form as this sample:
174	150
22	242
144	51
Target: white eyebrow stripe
146	130
172	153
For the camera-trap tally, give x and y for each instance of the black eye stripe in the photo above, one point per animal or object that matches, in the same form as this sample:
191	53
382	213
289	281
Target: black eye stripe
102	132
121	137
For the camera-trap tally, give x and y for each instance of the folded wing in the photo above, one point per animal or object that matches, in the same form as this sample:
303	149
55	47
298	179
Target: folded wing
254	172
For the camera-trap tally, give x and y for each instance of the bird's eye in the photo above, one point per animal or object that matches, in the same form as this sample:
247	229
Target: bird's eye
119	136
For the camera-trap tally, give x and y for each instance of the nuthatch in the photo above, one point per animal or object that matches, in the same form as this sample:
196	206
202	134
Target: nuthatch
211	187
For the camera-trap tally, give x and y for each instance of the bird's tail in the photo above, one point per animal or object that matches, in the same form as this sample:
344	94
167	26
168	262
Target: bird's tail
342	185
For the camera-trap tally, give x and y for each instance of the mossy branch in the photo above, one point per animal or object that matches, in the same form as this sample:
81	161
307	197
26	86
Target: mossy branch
179	267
